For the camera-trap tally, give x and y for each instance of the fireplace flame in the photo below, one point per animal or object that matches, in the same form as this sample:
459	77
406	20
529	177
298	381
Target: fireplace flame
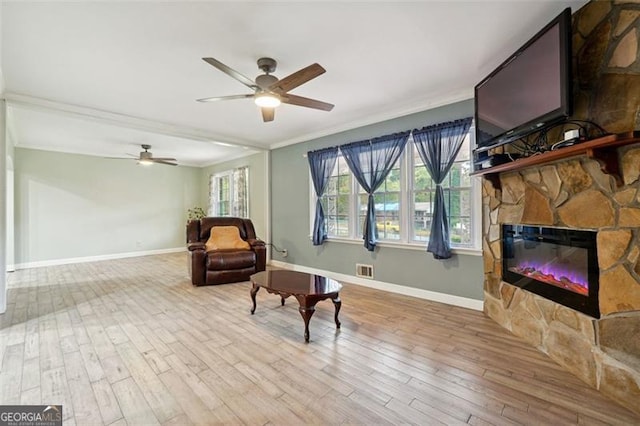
554	276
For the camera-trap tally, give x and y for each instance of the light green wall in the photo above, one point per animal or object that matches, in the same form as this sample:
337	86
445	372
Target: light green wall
460	276
71	205
258	186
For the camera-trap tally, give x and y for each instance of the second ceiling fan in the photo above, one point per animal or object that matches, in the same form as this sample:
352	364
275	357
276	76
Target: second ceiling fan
269	92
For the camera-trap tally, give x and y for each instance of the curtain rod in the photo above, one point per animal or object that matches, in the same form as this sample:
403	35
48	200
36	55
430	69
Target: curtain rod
410	132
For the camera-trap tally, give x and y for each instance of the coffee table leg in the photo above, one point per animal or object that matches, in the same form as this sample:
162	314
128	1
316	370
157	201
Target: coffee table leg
337	303
281	301
306	313
254	291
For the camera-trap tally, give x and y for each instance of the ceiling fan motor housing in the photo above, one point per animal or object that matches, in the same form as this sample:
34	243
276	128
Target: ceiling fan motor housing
267	65
264	81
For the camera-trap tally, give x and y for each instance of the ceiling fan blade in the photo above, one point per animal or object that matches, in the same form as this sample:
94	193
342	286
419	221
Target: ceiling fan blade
163	159
231	72
306	102
224	98
160	161
268	114
297	78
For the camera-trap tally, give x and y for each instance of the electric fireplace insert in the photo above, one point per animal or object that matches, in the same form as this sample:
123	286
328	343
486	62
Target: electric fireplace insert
555	263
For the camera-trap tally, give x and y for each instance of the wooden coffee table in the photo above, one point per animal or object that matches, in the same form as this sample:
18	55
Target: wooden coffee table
308	289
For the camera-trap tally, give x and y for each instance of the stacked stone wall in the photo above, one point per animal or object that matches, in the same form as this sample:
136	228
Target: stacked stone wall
576	194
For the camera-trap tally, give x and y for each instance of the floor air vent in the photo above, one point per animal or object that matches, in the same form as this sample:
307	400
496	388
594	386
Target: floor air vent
365	271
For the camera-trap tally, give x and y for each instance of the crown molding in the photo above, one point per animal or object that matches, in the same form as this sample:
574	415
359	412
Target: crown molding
461	95
122	120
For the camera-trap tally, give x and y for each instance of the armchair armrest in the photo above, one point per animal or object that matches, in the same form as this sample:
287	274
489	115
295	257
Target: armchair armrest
255	242
260	248
195	246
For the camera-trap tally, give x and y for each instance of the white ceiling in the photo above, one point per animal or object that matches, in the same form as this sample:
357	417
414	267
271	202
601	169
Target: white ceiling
101	78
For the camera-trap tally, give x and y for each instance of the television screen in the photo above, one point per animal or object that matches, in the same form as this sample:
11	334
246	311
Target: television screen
530	90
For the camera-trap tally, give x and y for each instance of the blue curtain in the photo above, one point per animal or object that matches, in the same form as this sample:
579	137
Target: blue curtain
438	146
370	162
321	164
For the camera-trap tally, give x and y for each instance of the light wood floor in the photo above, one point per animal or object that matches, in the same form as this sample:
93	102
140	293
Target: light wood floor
132	342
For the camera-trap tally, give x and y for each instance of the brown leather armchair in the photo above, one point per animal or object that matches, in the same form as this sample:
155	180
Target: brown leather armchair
224	265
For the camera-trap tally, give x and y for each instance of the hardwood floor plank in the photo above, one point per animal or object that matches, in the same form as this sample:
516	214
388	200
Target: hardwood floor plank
32	339
198	387
11	374
134	406
244	409
54	390
116	334
31	397
156	362
30	374
155	341
107	401
114	368
186	355
333	383
159	398
50	350
91	362
85	407
191	404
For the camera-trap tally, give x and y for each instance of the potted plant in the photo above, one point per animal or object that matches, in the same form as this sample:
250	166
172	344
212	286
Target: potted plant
195	213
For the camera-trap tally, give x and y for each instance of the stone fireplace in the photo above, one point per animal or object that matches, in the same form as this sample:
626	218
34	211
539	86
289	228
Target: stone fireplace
576	194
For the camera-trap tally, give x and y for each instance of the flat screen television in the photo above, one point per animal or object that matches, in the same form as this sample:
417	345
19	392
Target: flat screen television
529	91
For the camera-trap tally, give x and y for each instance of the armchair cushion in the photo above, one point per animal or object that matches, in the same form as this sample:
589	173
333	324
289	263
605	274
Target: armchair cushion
230	260
225	238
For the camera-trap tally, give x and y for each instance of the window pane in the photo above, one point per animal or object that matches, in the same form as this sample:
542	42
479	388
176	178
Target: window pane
336	198
362	211
224	208
388	215
421	178
423	205
457	198
460	231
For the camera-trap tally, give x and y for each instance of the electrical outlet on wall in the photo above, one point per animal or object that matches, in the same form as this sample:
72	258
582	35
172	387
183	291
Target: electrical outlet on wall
138	244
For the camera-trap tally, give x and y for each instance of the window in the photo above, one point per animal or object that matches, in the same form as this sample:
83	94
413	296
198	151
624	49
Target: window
336	200
387	202
404	201
228	193
457	198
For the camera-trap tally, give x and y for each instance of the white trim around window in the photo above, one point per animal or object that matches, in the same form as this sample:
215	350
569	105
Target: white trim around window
406	209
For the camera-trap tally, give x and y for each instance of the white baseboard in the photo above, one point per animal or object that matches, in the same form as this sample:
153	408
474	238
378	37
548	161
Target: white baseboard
449	299
98	258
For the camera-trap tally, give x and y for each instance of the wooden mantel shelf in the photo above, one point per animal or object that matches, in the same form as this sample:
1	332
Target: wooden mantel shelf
604	149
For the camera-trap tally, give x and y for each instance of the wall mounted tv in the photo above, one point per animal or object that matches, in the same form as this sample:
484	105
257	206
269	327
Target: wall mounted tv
531	90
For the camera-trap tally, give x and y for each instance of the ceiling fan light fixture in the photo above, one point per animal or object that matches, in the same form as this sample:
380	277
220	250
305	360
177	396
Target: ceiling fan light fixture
145	162
267	100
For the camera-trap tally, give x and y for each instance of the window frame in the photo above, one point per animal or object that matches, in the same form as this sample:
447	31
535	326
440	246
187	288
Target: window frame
213	208
407	207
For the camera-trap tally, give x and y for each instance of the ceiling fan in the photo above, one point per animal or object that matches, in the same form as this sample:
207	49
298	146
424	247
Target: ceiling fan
146	158
269	92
